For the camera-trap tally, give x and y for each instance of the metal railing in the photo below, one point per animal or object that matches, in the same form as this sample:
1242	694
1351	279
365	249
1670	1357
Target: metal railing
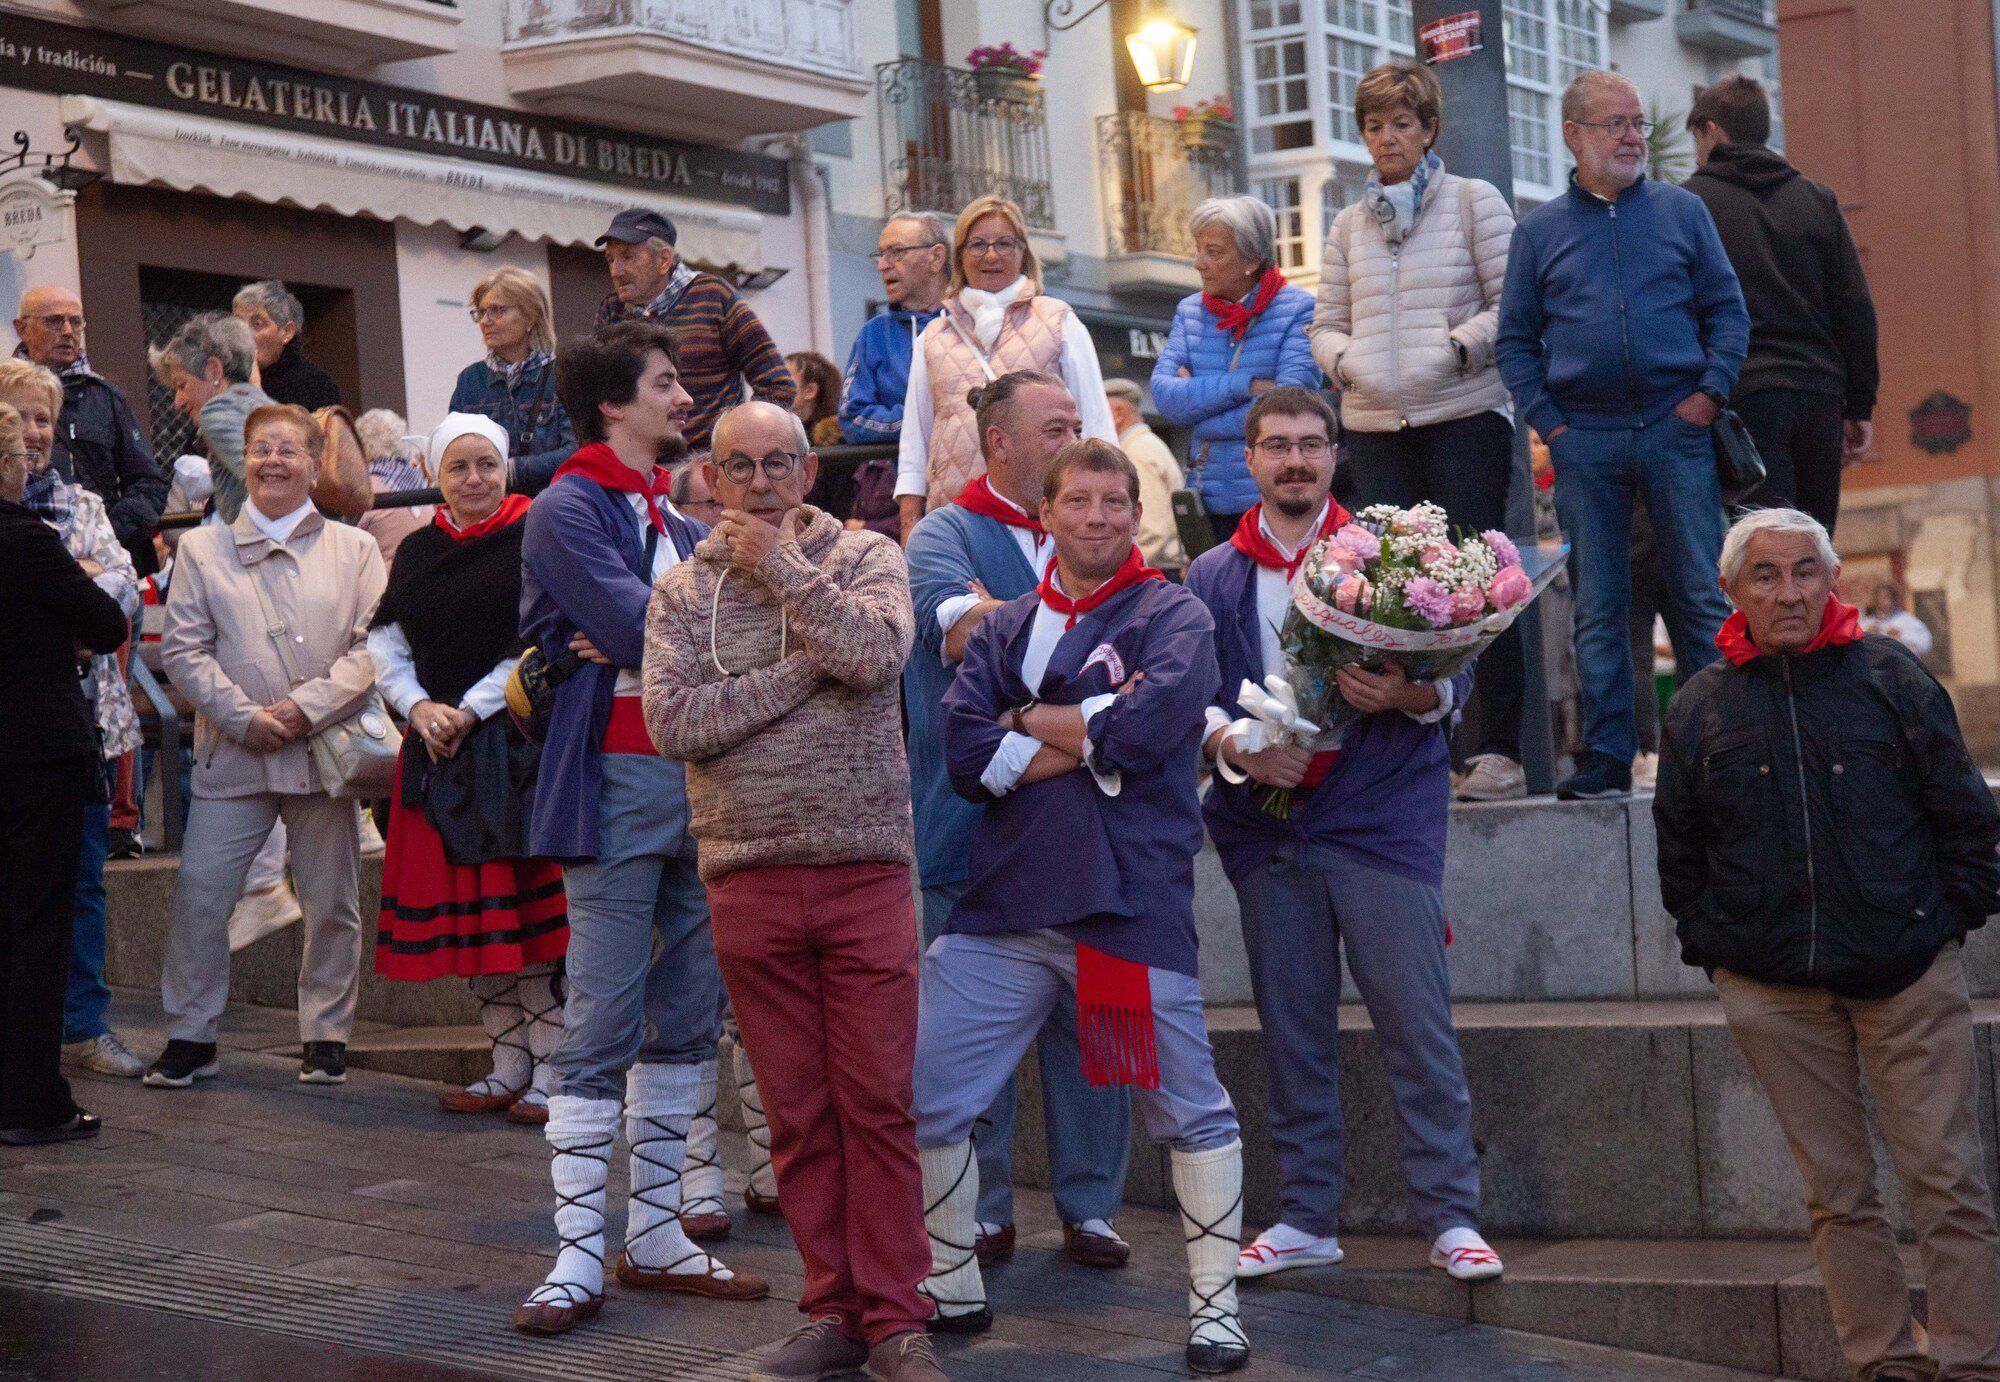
1153	175
1756	11
950	135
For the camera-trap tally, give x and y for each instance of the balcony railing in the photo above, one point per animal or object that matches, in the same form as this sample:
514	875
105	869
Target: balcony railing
1153	175
1728	28
1756	11
949	137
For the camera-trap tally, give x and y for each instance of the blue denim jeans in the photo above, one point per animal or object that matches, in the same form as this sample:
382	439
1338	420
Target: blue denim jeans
1670	467
87	997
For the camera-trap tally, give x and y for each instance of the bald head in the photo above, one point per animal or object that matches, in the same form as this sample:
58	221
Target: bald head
750	442
768	423
50	325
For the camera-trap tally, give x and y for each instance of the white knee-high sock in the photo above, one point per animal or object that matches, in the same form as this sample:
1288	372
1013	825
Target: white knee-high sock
580	1133
701	1178
763	1178
541	997
951	1203
1209	1186
506	1027
659	1102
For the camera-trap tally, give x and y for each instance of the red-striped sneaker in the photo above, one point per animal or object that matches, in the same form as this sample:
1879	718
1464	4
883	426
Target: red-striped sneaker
1463	1255
1281	1247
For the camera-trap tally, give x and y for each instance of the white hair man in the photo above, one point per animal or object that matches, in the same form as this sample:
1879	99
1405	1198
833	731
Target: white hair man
913	255
1826	843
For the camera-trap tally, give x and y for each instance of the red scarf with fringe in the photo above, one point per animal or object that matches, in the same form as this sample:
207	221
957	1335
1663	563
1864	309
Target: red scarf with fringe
1114	1021
1838	624
600	463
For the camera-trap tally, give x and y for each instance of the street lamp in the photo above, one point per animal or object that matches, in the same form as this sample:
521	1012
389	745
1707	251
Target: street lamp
1162	47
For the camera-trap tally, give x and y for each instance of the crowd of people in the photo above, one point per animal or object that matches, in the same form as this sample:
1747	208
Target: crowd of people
882	775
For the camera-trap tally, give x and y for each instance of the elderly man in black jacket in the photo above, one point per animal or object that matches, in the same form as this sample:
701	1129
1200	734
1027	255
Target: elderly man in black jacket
1825	844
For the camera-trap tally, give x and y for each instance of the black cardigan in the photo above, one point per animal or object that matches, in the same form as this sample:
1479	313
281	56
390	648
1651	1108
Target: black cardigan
49	607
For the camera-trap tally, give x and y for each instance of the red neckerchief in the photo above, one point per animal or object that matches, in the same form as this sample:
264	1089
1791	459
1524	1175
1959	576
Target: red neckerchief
1235	317
512	509
1249	538
1114	1021
1133	572
600	463
982	499
1838	624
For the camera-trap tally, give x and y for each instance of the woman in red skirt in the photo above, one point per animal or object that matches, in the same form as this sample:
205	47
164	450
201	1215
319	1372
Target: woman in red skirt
457	898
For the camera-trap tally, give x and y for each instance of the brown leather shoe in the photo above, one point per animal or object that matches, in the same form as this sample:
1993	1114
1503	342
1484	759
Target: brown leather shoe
547	1318
465	1101
1094	1249
994	1247
533	1115
761	1204
821	1349
905	1358
705	1228
737	1287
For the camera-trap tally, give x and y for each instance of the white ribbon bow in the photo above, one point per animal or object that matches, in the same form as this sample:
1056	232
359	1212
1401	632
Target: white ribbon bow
1273	721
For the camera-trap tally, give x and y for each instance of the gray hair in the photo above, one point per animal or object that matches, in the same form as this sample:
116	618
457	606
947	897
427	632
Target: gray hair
1125	390
683	482
758	407
210	336
1585	87
936	228
1249	222
1772	521
278	301
384	433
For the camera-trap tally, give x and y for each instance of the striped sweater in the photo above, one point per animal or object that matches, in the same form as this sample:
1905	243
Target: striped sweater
723	347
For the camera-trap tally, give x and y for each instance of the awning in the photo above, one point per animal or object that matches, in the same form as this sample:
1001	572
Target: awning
193	154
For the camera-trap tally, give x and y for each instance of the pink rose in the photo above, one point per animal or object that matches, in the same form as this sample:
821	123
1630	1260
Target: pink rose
1467	605
1438	555
1511	587
1365	545
1352	594
1341	558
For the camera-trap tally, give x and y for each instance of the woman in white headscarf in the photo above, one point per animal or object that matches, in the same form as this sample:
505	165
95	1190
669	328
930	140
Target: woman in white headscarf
457	897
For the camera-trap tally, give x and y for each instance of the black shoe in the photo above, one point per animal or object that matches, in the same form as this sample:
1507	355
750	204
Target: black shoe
75	1128
1209	1359
1597	777
181	1064
976	1322
325	1063
125	844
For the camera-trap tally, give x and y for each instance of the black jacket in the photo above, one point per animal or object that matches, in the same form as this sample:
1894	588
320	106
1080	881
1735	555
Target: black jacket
50	606
294	379
1812	323
1820	822
101	446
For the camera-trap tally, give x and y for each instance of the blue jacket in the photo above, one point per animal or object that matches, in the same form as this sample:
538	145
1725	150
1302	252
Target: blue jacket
1216	398
878	376
539	437
1386	800
951	546
1613	313
580	561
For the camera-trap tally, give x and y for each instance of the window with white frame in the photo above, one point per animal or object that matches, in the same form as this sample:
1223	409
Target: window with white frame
1343	187
1528	132
1282	196
1347	62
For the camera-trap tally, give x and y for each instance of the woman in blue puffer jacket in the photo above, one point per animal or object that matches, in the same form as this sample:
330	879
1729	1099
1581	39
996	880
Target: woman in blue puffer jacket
1240	336
515	384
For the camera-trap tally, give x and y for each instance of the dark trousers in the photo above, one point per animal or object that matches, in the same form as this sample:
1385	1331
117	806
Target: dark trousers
1462	465
41	840
1799	436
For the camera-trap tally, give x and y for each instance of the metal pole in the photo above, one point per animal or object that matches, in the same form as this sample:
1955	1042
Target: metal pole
1476	142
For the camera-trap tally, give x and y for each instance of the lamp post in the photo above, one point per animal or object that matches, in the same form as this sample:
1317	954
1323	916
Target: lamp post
1161	48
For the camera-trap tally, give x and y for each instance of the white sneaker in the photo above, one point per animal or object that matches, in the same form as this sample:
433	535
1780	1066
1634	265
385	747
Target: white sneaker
1645	772
1281	1247
371	838
1492	777
104	1055
1463	1255
260	913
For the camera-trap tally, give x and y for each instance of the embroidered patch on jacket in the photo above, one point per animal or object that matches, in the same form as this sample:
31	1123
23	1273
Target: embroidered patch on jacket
1114	665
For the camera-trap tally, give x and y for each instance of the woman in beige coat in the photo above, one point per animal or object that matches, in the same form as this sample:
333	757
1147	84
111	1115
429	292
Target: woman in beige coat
252	763
1409	304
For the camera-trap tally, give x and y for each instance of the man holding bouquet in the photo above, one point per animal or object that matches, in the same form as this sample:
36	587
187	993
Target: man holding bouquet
1342	846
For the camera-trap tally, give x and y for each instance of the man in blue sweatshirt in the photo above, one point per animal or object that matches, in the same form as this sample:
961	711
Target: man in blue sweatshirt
913	256
1621	331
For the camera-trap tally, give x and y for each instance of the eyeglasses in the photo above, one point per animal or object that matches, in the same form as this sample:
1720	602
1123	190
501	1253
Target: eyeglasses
480	314
893	256
1619	127
739	469
1005	245
264	451
56	321
1310	448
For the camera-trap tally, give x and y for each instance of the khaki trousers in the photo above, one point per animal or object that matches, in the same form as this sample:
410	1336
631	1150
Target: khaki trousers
1810	1049
224	834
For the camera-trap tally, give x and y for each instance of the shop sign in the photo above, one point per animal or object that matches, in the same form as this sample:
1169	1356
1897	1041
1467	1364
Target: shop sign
32	213
1941	423
41	56
1454	36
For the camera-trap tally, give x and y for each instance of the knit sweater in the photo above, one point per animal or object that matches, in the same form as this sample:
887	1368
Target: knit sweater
794	754
724	347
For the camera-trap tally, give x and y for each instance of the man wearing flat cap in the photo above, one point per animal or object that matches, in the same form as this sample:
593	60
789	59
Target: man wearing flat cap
726	354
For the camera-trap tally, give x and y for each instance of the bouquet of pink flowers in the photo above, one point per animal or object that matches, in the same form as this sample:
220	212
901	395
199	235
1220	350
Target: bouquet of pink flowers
1394	585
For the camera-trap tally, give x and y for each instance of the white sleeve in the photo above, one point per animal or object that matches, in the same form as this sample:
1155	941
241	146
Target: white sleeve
913	444
949	612
395	669
1108	781
1217	718
1085	378
1446	695
1010	760
487	696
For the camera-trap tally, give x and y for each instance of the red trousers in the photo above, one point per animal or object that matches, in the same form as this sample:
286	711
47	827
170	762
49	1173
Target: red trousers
821	965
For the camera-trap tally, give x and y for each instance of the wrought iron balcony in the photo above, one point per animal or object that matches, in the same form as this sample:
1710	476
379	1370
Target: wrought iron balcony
1154	172
950	136
1728	28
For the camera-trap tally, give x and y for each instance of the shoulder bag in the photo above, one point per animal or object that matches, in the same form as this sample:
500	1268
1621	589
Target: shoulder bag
1739	468
356	756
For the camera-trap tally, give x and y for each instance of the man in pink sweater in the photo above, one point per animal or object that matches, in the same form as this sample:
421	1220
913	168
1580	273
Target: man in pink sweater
773	665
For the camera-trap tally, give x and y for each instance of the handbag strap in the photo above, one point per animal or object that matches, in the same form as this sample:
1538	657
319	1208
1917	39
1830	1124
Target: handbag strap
275	627
984	363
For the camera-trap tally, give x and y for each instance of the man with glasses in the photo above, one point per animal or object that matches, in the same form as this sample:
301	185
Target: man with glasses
773	664
1621	331
913	255
99	442
1355	866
